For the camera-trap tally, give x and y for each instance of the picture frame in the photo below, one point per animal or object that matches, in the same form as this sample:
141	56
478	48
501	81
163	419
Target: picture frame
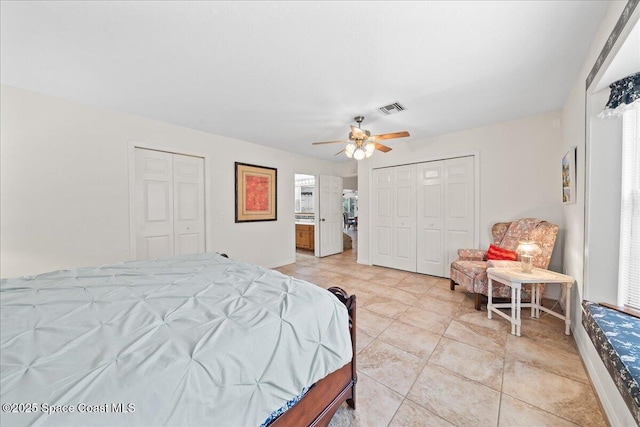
569	176
256	193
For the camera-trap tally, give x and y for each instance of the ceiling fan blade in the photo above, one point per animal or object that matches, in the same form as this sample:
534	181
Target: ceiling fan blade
340	152
357	132
382	148
393	135
327	142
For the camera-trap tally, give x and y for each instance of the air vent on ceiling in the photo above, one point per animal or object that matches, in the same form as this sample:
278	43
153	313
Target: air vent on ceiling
391	108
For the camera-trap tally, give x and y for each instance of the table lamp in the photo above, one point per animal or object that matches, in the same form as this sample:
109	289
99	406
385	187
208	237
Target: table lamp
527	249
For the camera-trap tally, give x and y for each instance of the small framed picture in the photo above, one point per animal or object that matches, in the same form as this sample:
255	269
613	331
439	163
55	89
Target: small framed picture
256	193
569	176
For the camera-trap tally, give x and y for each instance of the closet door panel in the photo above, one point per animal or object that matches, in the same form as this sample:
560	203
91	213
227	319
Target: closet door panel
404	218
459	206
382	218
188	184
430	220
154	201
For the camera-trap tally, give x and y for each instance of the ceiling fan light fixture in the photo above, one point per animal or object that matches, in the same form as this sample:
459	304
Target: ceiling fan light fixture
350	149
361	144
369	148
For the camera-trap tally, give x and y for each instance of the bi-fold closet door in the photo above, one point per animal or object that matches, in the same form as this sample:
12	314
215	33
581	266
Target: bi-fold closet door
168	204
422	214
394	217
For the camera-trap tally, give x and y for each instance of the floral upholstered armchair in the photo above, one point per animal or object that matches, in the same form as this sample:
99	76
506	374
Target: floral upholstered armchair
470	269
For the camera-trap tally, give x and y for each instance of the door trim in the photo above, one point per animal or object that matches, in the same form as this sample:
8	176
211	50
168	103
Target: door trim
208	234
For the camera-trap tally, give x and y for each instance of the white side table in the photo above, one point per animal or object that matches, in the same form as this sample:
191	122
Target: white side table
515	278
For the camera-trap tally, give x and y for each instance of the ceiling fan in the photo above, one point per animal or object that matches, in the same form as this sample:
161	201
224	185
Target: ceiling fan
361	144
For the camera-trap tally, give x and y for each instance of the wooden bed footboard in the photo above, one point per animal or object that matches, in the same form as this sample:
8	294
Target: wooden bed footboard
323	399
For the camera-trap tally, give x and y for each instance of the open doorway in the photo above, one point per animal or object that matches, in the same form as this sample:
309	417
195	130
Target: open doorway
305	213
350	213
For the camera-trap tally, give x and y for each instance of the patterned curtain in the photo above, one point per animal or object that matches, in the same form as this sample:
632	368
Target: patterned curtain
625	93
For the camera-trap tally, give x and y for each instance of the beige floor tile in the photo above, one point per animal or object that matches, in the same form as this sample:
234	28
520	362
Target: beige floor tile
400	296
425	319
548	357
514	411
386	280
477	336
365	273
386	307
444	293
347	280
548	330
411	339
416	289
472	316
437	305
457	399
354	285
420	279
371	323
375	406
470	362
362	297
390	366
444	283
566	398
328	283
362	339
370	287
398	274
411	414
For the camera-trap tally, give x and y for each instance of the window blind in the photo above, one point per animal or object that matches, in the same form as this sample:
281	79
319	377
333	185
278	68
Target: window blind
629	274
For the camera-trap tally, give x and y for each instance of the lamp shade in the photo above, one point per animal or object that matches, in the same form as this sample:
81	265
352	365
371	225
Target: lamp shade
527	249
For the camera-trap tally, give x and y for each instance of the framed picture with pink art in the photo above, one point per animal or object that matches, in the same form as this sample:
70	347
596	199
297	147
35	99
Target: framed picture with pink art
569	176
256	193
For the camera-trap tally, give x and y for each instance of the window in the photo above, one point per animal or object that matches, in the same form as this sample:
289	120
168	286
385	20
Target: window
350	203
629	269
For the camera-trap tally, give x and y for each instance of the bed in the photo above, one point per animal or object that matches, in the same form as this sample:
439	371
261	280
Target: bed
189	340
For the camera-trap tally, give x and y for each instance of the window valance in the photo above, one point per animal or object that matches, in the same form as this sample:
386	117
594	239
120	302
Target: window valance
625	93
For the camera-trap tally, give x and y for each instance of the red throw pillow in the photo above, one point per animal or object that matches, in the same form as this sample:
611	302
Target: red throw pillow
498	253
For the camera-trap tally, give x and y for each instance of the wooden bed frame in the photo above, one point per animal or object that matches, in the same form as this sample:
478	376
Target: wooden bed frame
317	407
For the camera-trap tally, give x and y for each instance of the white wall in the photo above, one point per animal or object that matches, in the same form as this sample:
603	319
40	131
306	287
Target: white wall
573	116
64	185
520	174
350	183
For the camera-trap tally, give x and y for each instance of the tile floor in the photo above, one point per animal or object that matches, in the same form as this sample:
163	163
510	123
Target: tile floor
427	358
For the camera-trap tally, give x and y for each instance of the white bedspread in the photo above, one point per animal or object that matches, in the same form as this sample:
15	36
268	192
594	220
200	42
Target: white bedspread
194	340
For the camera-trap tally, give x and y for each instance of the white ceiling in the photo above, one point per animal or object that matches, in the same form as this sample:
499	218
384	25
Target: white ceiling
285	74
